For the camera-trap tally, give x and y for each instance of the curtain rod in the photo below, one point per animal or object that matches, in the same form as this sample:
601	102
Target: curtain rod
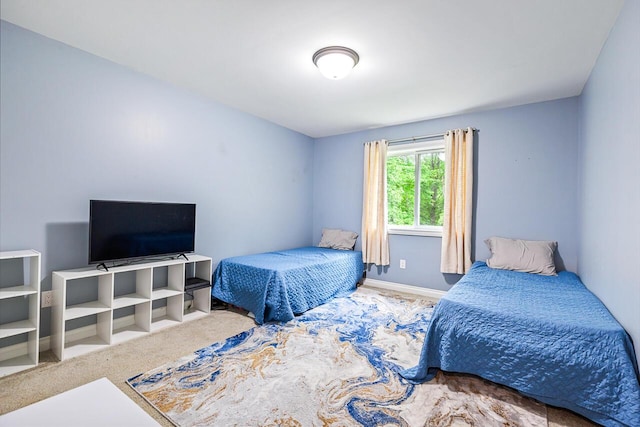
419	138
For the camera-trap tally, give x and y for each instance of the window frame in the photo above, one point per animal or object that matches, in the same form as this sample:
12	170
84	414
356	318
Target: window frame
416	148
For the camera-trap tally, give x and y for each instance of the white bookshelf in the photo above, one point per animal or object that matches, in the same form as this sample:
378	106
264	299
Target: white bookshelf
162	281
15	358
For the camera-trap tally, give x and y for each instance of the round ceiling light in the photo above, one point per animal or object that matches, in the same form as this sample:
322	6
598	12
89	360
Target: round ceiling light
335	62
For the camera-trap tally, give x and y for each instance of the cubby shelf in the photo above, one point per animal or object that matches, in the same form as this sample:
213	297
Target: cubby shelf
15	358
134	288
164	293
85	309
16	328
17	291
128	301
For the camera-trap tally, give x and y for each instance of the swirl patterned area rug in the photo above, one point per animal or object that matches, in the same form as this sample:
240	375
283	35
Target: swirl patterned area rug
335	365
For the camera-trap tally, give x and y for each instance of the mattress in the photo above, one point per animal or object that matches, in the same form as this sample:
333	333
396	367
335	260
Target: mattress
275	286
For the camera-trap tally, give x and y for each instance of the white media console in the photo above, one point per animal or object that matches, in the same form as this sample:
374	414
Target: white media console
125	302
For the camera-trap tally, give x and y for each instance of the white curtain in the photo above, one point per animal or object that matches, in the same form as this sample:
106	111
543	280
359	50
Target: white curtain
375	243
458	202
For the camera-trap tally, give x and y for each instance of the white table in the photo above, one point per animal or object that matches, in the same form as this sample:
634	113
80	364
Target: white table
98	403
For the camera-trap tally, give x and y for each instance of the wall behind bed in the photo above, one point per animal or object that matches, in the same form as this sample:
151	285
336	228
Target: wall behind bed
76	127
526	185
609	244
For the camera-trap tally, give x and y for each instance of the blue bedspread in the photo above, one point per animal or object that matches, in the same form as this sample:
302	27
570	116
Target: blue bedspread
546	336
276	285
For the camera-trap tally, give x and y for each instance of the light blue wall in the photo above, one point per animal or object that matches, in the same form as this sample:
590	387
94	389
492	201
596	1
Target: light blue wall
609	243
76	127
526	185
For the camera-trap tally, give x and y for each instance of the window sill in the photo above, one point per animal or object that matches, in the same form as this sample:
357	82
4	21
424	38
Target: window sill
415	232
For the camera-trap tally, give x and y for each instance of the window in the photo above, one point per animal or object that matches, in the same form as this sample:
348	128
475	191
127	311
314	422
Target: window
415	188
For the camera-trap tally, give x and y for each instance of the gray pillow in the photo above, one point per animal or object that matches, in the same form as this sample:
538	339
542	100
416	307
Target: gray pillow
338	239
528	256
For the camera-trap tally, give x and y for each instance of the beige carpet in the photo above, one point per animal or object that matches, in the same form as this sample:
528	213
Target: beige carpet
122	361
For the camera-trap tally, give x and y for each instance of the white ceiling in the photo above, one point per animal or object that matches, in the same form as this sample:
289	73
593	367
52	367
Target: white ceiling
418	59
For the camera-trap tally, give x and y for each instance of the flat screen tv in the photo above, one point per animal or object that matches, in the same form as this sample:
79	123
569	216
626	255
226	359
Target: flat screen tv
120	230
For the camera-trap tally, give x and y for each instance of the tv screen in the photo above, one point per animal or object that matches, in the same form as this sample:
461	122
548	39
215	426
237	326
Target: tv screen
121	230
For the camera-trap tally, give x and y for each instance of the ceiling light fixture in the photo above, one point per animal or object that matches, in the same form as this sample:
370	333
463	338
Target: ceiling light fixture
335	62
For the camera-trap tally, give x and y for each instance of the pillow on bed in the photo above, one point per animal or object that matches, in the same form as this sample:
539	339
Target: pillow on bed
528	256
338	239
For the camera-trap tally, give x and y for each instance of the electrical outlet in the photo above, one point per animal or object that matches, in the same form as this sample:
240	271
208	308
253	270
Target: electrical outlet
403	263
46	299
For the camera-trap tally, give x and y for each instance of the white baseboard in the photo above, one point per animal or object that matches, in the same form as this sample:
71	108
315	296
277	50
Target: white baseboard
409	289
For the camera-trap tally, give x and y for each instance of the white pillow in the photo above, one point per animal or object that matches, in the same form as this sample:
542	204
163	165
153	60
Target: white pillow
338	239
528	256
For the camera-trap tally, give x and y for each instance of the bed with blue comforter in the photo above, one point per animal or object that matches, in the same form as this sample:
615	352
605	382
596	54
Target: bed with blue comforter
275	286
546	336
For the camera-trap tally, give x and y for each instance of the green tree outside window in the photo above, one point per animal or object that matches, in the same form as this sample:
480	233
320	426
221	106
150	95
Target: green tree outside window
401	189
